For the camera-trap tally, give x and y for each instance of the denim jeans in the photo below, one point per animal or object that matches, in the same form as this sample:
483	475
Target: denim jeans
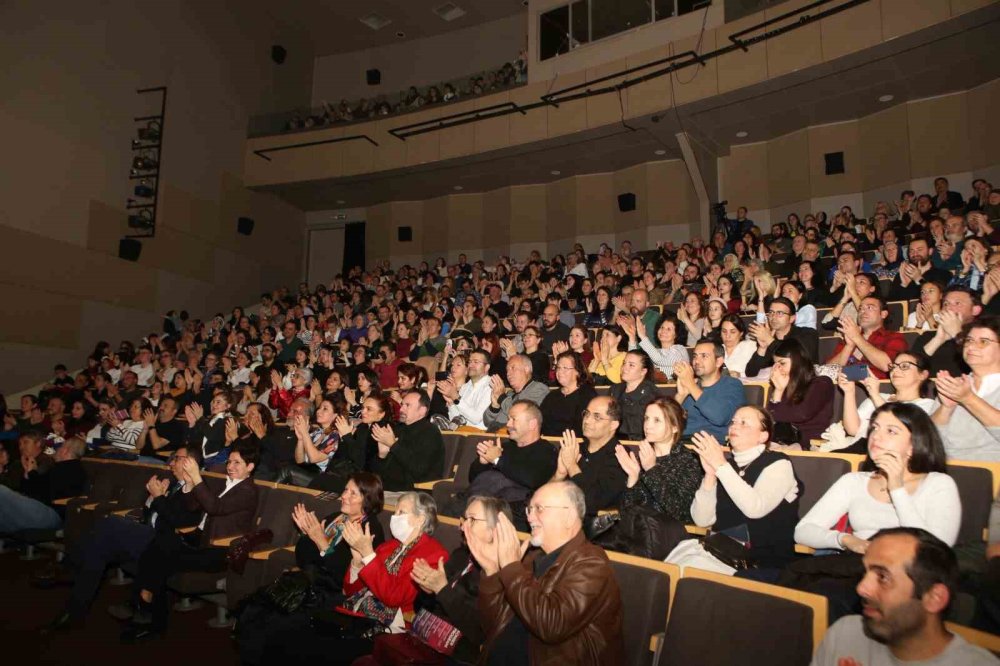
19	512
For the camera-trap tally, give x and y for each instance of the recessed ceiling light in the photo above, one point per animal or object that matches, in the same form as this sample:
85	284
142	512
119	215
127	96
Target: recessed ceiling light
556	172
400	34
659	151
375	21
449	11
741	134
340	202
886	98
458	188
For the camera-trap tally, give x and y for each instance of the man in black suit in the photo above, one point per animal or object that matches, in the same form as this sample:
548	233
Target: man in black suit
122	538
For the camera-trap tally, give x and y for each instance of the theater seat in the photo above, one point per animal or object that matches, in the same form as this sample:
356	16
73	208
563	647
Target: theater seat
818	471
647	587
448	533
977	486
718	620
444	490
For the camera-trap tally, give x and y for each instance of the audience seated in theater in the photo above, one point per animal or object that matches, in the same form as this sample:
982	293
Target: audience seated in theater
281	398
916	271
805	314
959	306
562	409
856	289
969	415
667	350
779	326
531	339
516	467
909	375
378	588
708	396
910	581
410	451
366	385
922	317
601	311
324	555
430	342
124	538
468	396
229	506
560	603
161	429
609	354
592	464
692	314
752	497
810	274
799	397
867	341
553	330
738	350
30	507
635	391
209	433
123	430
522	387
662	475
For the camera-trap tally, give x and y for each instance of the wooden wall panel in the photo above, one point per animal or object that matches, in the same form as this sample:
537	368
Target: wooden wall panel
744	176
634	180
435	216
596	204
796	49
492	134
391	153
788	180
983	108
694	83
851	30
938	136
741	68
561	209
571	116
839	137
496	219
653	95
39	318
465	224
605	109
885	147
530	126
682	205
528	211
900	17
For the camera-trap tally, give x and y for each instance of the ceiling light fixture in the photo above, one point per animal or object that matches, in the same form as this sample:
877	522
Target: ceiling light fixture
340	202
659	151
741	134
458	188
449	11
375	21
556	172
886	98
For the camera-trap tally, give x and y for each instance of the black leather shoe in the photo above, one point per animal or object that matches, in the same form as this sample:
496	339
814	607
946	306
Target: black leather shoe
63	623
140	634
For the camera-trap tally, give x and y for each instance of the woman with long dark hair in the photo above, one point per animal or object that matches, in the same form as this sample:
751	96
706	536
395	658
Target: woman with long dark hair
798	397
562	409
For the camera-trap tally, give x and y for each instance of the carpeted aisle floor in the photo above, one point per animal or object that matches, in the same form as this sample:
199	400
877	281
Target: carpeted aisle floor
23	610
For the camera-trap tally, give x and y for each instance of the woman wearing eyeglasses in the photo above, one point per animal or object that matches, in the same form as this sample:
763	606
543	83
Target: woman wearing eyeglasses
540	365
969	415
908	374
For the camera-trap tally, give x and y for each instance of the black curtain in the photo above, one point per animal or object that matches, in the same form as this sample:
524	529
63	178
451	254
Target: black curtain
354	246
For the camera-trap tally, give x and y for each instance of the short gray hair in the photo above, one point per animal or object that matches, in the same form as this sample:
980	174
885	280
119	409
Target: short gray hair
575	496
425	506
492	508
523	361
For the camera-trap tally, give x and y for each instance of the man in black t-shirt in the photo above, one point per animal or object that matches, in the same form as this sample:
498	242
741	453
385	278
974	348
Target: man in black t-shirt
161	430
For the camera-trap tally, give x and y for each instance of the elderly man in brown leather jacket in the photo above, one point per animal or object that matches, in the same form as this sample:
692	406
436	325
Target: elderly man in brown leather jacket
560	604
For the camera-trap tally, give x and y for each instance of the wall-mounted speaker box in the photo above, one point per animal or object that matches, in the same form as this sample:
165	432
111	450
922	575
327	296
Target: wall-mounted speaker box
404	234
244	225
374	77
129	249
834	163
278	54
626	202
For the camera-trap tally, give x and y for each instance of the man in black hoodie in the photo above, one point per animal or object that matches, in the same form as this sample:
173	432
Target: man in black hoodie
411	451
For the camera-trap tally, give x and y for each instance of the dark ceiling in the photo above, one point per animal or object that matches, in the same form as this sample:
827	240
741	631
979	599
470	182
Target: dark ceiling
949	57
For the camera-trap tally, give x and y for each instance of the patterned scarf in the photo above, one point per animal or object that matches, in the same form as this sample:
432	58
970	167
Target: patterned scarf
365	602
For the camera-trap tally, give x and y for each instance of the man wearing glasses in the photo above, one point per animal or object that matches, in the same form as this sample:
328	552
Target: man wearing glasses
959	306
780	325
122	538
593	466
561	603
867	341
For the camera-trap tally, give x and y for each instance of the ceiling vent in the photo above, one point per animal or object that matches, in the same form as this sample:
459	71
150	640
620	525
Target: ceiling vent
375	21
449	11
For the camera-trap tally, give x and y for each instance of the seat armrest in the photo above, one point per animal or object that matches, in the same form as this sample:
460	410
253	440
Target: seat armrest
429	485
225	541
94	505
186	530
694	529
265	554
63	501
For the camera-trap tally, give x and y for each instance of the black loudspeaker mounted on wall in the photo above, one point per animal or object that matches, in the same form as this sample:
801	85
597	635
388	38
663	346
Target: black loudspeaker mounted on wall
374	77
626	202
404	234
278	54
834	163
129	249
244	225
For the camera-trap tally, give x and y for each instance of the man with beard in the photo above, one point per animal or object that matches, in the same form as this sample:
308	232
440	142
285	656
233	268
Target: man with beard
910	580
915	271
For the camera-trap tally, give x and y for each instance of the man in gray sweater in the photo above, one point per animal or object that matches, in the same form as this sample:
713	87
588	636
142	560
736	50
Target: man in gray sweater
522	387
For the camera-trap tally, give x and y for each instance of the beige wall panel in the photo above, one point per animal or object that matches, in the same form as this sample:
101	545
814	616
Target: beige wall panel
653	95
633	179
459	140
494	133
984	137
391	153
40	318
179	253
885	147
596	204
830	139
406	214
528	211
378	222
695	82
107	224
496	219
561	208
658	201
359	155
852	30
796	49
938	136
530	126
788	179
744	177
435	216
571	116
465	224
963	6
900	17
605	109
682	201
311	162
423	148
741	68
82	273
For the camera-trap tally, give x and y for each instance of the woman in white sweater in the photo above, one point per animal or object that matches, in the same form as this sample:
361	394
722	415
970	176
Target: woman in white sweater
908	486
668	348
739	350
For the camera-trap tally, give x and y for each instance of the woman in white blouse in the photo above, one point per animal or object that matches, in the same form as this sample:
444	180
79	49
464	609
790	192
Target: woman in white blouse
739	350
906	485
667	350
692	315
